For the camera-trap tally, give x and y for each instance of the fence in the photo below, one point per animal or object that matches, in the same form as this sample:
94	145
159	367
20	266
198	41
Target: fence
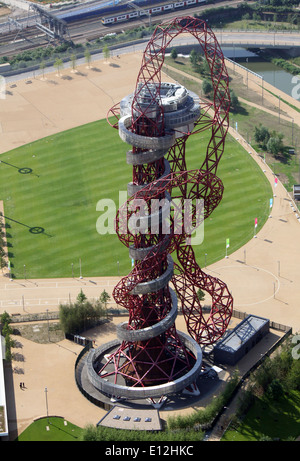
19	318
92	399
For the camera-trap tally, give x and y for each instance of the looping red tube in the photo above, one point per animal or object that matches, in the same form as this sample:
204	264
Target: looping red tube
157	120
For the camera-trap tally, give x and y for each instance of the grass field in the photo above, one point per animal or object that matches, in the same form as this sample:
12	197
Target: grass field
50	429
50	189
275	419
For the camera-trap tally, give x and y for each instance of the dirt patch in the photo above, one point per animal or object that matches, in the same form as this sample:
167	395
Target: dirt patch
40	332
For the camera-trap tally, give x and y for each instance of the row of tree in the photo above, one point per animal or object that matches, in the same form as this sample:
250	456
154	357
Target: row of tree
59	63
7	331
58	54
2	243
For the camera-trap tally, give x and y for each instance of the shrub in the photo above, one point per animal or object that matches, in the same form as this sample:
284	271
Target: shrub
275	389
204	418
77	317
206	87
7	331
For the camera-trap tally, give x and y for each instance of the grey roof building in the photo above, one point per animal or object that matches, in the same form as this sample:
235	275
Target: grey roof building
240	340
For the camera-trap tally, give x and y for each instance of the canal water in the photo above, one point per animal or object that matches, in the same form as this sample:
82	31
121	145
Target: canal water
272	74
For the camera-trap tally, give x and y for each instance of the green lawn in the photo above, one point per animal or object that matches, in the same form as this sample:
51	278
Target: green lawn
275	419
50	430
51	187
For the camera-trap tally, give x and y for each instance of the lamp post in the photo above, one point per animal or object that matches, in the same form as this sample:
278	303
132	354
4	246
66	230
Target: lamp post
47	404
48	325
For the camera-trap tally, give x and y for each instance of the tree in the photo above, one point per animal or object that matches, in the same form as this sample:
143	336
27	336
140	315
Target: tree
206	87
106	52
5	318
104	297
275	389
293	378
73	61
58	64
275	144
6	332
81	297
205	69
195	58
77	317
42	67
88	57
2	243
234	101
174	54
261	135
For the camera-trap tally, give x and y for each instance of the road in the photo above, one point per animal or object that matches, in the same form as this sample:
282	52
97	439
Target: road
32	296
93	30
225	38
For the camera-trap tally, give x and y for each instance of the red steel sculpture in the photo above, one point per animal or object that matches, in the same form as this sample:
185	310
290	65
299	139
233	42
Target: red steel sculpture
166	204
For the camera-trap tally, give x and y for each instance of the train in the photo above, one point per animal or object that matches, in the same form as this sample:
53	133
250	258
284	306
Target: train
141	12
116	11
99	9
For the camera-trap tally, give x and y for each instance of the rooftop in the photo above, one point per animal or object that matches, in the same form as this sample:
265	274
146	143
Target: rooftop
242	333
132	419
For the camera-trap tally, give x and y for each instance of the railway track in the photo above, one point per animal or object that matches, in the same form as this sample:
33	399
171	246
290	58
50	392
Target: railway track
11	37
30	37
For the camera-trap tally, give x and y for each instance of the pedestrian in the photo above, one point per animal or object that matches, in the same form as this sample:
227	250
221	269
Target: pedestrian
21	385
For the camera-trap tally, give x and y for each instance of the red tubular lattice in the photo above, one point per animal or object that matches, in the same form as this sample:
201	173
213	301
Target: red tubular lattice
163	358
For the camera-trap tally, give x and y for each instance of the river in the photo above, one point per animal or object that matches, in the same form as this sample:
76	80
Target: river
272	74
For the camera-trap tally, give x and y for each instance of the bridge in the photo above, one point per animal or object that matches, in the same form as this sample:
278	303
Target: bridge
258	39
49	24
289	41
251	39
